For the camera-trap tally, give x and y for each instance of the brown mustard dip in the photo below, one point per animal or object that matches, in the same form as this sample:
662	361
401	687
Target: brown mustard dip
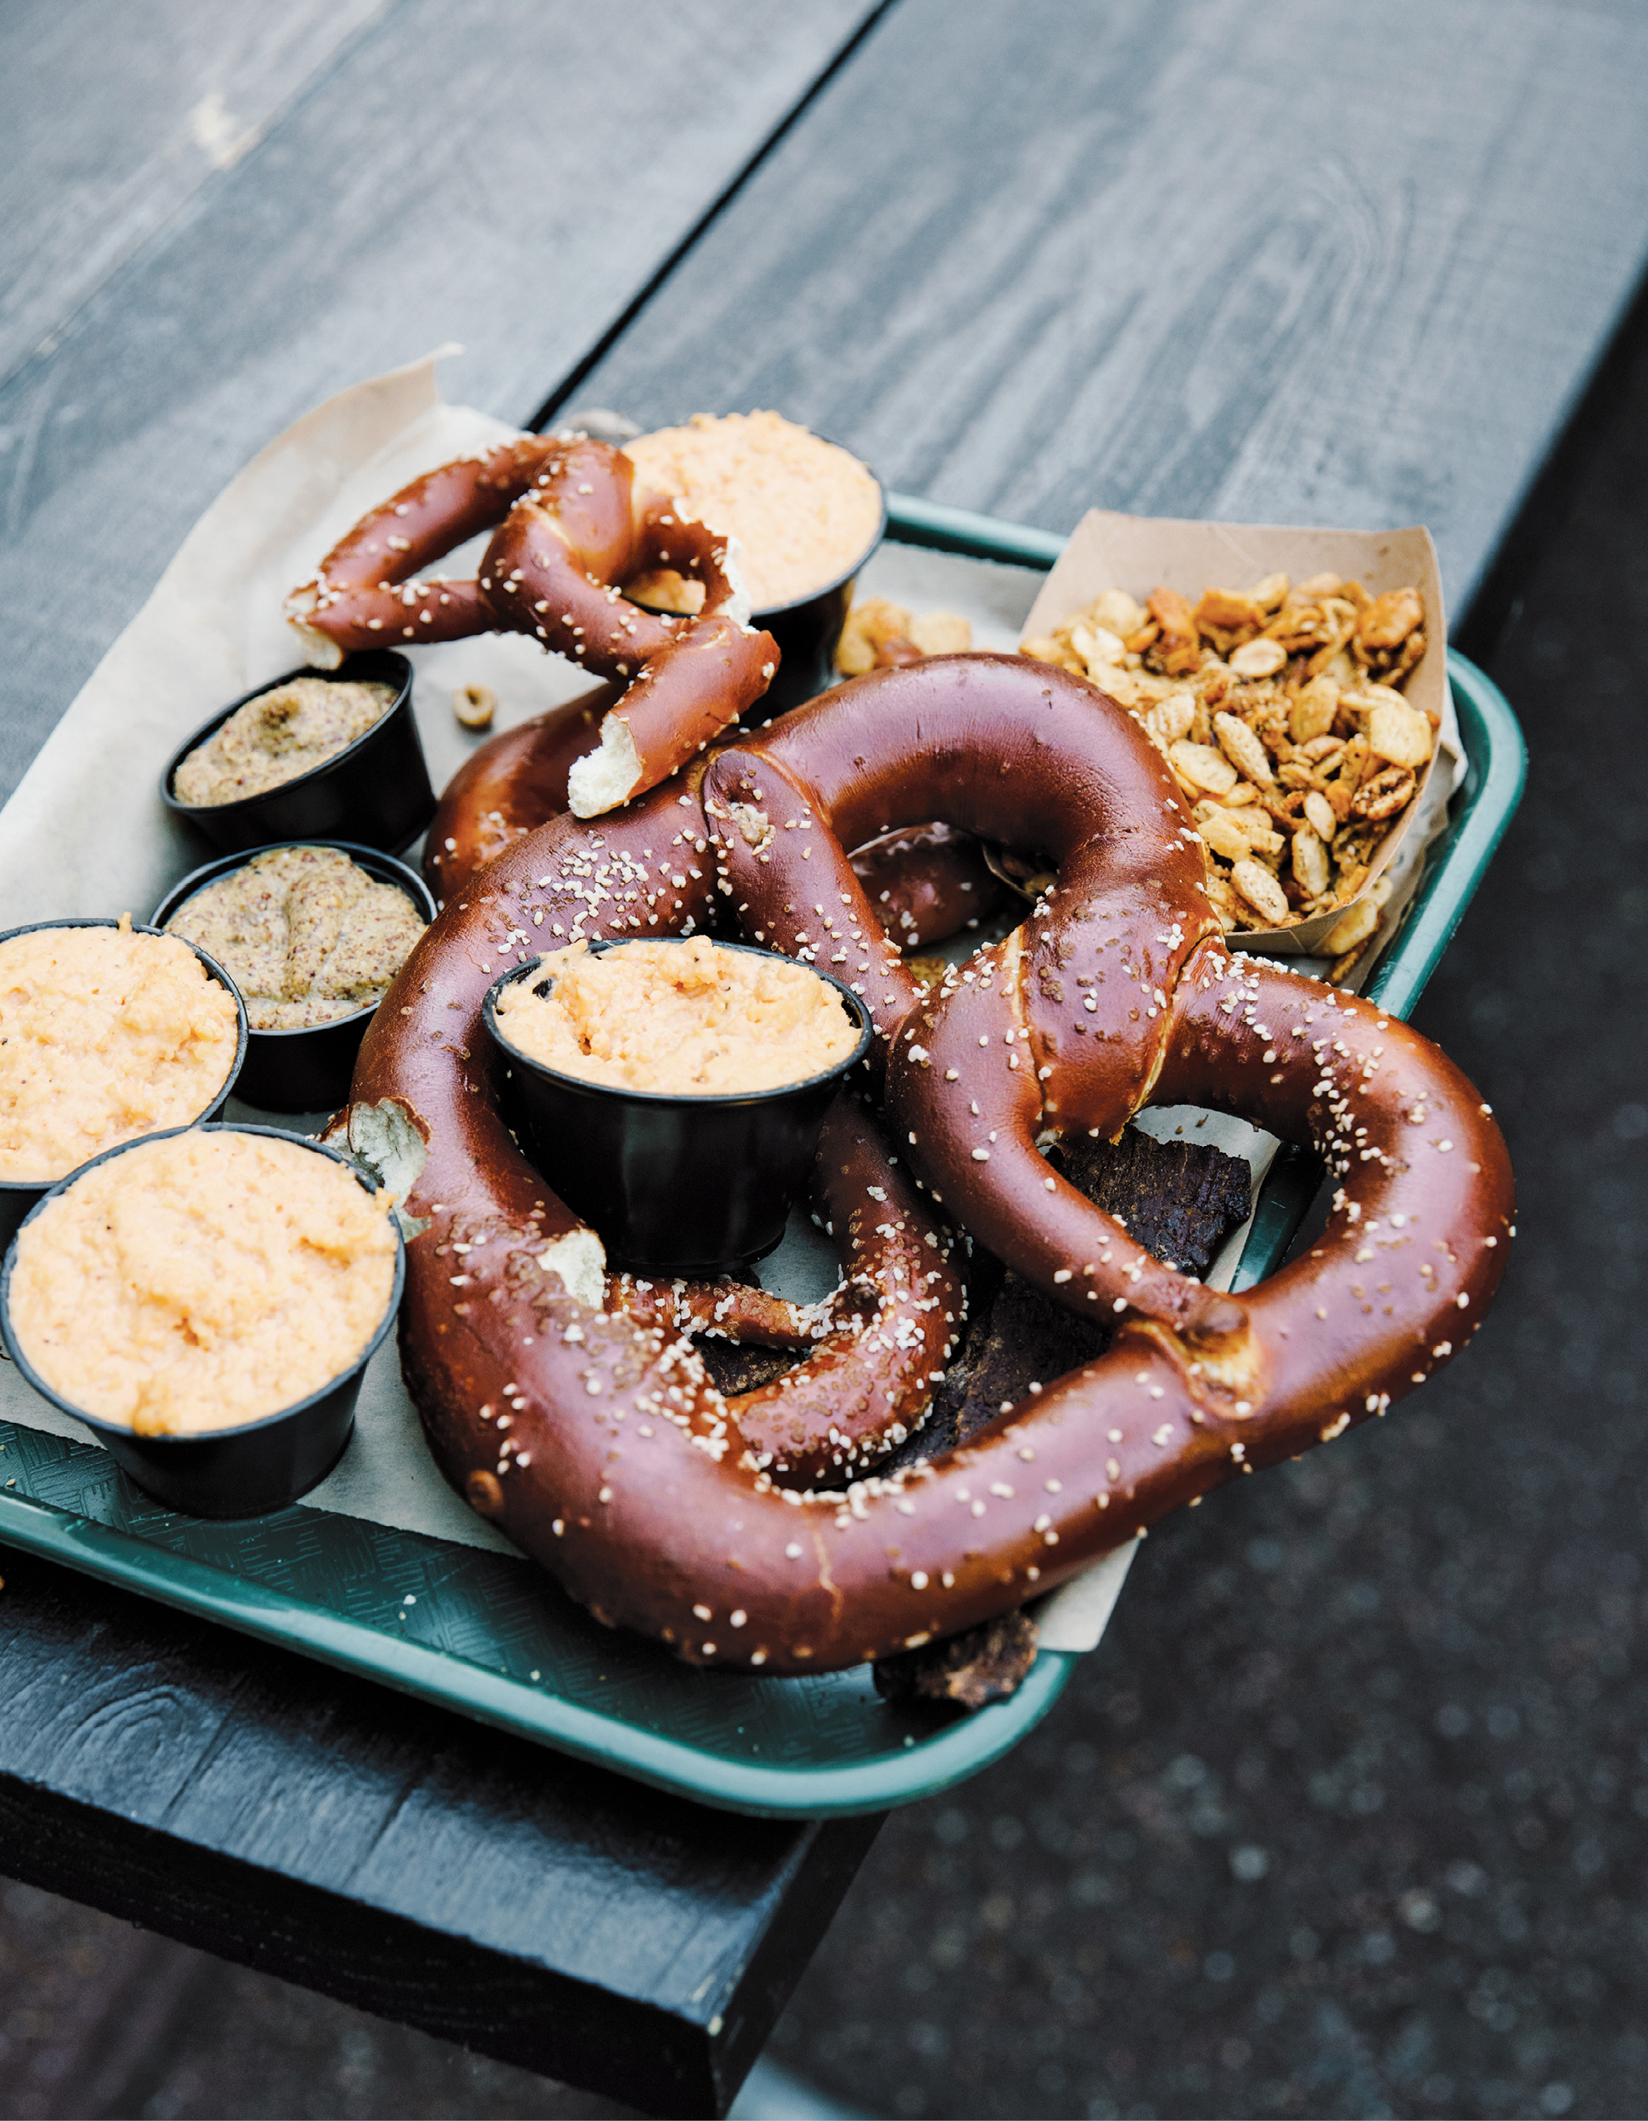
287	731
681	1019
305	934
202	1281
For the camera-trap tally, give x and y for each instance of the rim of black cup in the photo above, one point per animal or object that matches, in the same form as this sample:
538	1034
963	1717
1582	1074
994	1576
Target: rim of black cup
824	589
242	803
405	879
856	1008
214	971
229	1429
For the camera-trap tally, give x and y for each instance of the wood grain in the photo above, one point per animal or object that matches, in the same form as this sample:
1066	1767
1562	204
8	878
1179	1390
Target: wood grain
1187	257
503	174
413	1863
115	118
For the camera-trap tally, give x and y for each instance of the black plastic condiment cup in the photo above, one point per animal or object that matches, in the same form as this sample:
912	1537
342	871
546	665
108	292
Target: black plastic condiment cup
18	1196
306	1069
808	632
673	1184
808	629
250	1468
375	791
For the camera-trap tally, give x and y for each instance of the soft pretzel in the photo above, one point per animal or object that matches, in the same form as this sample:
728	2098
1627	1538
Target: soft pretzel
507	786
874	1348
627	1473
567	532
924	883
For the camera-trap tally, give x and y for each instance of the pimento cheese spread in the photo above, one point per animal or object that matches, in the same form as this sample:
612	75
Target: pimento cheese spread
201	1281
682	1019
802	509
305	934
287	731
104	1035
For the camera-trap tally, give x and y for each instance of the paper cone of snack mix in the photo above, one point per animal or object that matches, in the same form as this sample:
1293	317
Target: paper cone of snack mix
1141	554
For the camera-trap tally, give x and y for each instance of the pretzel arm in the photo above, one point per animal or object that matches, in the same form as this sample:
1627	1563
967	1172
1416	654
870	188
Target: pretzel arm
357	619
435	513
969	1102
722	1310
1423	1206
712	672
713	669
508	786
883	1338
875	1348
777	858
363	595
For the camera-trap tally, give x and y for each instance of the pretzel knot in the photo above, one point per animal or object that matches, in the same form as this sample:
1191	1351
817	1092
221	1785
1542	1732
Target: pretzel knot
574	1409
569	529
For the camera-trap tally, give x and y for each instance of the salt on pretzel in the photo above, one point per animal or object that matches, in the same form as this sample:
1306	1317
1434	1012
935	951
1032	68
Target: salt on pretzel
568	531
594	1439
508	785
1063	1025
874	1347
925	883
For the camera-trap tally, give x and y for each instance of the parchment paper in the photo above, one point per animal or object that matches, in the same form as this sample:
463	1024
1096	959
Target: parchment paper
86	832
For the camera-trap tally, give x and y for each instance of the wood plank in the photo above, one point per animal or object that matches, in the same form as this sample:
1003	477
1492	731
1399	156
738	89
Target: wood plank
115	118
1291	264
412	1863
507	175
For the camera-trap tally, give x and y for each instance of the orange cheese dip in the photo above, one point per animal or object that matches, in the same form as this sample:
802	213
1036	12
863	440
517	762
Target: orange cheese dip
683	1019
202	1281
803	510
104	1035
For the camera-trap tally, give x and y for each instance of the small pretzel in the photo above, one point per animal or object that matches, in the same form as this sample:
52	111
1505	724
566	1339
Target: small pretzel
593	1437
568	532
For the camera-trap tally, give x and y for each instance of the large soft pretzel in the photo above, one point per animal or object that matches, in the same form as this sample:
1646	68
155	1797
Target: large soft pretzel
627	1473
924	882
507	786
568	530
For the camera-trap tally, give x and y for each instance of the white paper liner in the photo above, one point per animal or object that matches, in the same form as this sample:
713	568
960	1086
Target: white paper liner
86	833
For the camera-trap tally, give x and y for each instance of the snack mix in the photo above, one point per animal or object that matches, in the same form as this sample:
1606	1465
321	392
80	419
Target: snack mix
880	636
1280	710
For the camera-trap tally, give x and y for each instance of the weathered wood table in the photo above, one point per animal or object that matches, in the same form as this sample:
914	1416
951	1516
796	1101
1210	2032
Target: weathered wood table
1194	258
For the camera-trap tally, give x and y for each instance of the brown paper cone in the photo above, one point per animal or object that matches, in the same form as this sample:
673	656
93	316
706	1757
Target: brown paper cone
1142	553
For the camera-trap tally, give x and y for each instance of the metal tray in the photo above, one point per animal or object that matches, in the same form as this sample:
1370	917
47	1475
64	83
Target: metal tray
492	1636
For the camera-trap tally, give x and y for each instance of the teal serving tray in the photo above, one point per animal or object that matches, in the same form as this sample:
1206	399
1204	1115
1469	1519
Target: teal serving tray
492	1637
